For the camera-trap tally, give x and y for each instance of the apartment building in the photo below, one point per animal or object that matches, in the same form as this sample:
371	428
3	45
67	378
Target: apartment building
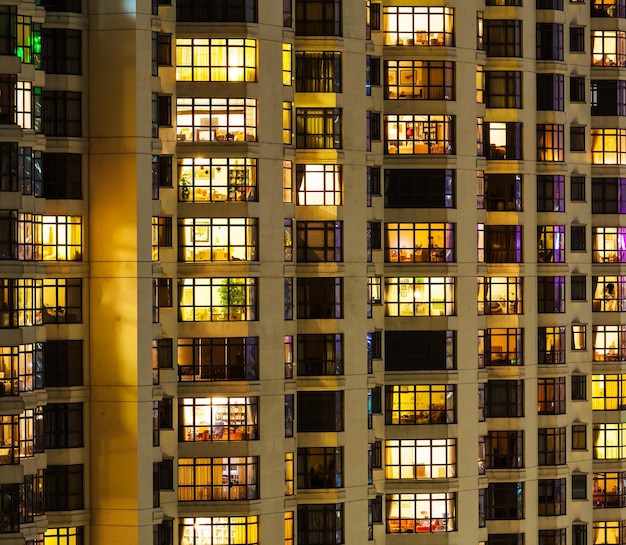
316	272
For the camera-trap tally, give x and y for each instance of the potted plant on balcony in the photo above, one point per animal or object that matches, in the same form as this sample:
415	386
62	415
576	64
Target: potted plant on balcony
233	297
184	183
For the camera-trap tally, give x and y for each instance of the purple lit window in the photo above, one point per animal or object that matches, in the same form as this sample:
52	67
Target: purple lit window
550	244
551	193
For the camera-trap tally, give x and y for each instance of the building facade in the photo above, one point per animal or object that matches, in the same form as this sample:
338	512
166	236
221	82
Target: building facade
312	272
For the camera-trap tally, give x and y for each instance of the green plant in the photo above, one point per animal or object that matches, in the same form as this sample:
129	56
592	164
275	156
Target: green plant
233	295
185	185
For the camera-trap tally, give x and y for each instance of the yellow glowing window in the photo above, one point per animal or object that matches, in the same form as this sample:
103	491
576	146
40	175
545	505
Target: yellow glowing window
287	64
287	122
608	146
420	458
61	238
215	59
219	530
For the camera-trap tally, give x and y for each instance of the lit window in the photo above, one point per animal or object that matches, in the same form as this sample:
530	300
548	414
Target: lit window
608	48
412	25
609	490
608	392
423	296
609	343
609	244
550	142
61	238
499	295
233	530
500	347
550	244
215	479
608	146
419	242
287	123
419	134
609	293
419	80
218	418
551	341
420	458
25	39
216	119
609	441
217	299
319	184
22	369
421	512
417	404
24	105
217	239
215	59
289	477
217	180
287	62
64	536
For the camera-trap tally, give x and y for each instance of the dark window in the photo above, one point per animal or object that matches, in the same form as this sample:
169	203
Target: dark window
62	175
320	297
289	414
503	243
505	501
550	41
217	11
504	398
503	140
61	51
320	354
61	111
8	165
419	188
579	387
287	13
577	189
577	39
63	490
319	241
318	72
62	5
320	411
579	486
550	4
551	446
8	86
579	437
579	534
63	361
166	414
504	450
164	49
419	350
608	195
10	512
220	358
550	294
318	18
608	97
551	92
506	539
503	89
320	467
552	497
578	284
318	128
63	425
8	30
320	524
503	38
577	89
503	192
578	237
555	536
577	138
551	395
550	193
